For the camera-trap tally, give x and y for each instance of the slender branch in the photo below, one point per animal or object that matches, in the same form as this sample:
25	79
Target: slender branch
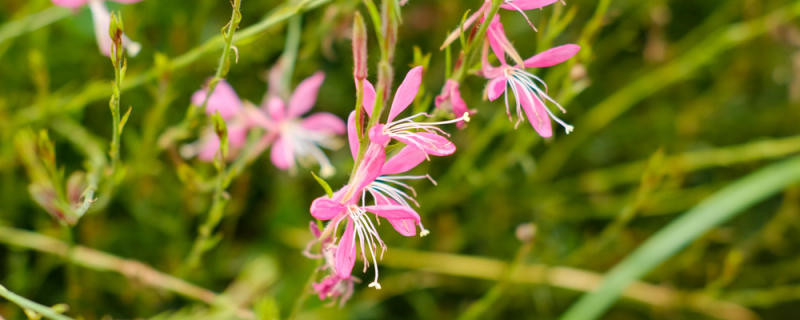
204	241
538	274
101	261
31	305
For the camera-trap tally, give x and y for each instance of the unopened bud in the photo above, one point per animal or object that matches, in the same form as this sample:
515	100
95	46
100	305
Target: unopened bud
359	48
526	232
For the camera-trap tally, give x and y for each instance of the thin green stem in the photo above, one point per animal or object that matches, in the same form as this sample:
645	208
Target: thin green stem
204	241
289	56
101	261
30	305
472	51
480	309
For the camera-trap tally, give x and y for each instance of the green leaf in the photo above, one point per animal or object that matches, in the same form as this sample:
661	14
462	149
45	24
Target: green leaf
710	213
124	119
324	184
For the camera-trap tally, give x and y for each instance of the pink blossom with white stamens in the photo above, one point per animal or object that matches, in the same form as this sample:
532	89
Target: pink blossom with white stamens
226	102
450	98
427	136
300	139
530	91
102	20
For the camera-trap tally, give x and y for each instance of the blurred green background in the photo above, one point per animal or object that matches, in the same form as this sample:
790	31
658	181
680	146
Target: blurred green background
672	101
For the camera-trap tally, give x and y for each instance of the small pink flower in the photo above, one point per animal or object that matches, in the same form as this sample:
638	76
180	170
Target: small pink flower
332	286
377	178
522	5
335	287
529	91
426	136
102	21
451	98
300	139
481	14
225	102
359	228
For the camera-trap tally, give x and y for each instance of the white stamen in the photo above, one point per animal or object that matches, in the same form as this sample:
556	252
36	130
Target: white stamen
528	83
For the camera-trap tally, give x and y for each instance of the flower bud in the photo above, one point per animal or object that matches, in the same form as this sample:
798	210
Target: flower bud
359	48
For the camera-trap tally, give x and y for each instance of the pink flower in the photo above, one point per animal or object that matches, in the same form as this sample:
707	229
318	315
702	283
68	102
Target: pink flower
483	11
522	5
102	21
359	229
300	139
451	98
335	287
426	136
529	91
377	178
332	286
225	102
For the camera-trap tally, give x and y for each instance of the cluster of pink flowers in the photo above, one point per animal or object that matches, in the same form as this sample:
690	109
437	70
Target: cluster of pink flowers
377	186
529	91
294	139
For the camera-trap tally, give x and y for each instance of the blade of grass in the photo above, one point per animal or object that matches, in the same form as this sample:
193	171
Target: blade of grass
30	305
715	210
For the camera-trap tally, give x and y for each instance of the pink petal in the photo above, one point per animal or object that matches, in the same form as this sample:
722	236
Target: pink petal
224	100
255	117
406	92
497	36
276	109
370	167
452	95
352	135
305	95
324	208
527	4
346	252
209	147
552	56
324	122
102	19
431	143
378	135
237	135
408	158
314	228
404	227
281	154
459	106
369	97
72	4
402	218
536	113
496	87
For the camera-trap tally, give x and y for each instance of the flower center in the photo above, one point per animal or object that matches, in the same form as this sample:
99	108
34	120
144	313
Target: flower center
525	85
